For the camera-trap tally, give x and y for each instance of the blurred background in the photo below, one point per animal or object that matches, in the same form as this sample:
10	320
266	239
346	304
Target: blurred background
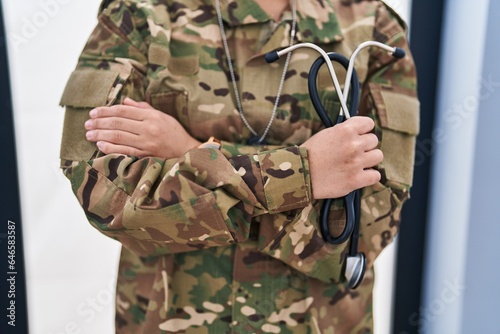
442	275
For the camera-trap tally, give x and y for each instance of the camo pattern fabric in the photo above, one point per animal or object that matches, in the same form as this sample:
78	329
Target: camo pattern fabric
227	241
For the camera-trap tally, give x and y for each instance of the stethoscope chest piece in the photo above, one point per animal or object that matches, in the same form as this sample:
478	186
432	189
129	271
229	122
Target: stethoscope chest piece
355	269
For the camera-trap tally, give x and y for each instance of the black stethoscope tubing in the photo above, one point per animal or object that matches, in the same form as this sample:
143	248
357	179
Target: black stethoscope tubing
355	262
352	209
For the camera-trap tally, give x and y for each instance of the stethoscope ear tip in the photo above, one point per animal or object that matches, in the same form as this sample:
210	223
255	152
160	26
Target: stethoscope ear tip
399	53
271	57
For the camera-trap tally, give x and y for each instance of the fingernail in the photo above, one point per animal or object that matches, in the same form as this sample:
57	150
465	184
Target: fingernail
99	145
88	124
89	134
128	99
93	112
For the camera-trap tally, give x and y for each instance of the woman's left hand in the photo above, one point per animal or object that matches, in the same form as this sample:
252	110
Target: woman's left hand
137	129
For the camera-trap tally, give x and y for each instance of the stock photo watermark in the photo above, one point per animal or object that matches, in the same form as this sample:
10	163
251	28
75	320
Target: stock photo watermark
437	306
454	118
87	310
11	273
33	24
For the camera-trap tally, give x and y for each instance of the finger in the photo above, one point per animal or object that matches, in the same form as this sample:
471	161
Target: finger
365	178
372	158
129	102
362	124
369	177
110	148
120	110
114	136
113	123
370	141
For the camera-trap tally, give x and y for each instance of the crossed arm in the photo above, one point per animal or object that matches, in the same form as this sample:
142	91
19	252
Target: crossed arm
137	129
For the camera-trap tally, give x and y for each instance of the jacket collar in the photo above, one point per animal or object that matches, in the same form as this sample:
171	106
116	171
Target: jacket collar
316	20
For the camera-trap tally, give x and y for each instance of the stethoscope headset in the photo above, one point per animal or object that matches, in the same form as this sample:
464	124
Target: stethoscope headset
355	262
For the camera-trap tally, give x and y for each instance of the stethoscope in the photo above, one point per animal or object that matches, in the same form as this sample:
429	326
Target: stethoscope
355	261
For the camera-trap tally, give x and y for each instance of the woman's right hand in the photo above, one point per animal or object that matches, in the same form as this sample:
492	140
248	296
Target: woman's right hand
137	129
341	158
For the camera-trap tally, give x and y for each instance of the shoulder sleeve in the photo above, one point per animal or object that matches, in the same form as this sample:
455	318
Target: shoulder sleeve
111	65
203	199
390	97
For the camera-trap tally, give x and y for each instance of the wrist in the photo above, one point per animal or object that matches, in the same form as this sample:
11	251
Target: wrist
188	144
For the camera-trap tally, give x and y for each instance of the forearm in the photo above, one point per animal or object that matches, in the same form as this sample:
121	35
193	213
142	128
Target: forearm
200	200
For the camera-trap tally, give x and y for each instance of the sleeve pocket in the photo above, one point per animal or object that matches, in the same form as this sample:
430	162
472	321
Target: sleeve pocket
86	89
398	114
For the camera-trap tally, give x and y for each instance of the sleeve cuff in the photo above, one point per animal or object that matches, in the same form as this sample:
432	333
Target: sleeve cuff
285	176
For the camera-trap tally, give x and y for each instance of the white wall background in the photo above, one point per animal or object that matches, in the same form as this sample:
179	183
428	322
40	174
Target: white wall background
71	268
462	264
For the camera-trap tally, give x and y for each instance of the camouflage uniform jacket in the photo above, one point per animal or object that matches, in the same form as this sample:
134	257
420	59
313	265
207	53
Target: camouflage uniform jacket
227	241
